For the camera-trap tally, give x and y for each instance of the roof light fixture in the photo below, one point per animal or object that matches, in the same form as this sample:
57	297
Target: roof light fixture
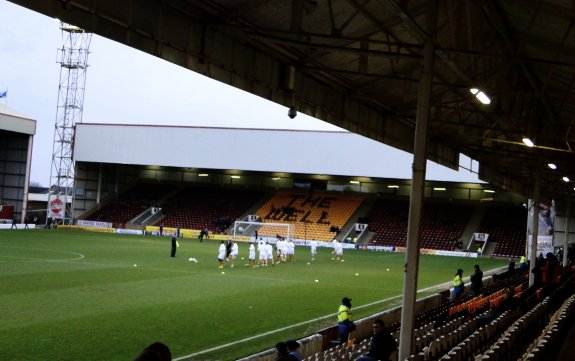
480	95
552	165
528	142
566	179
203	175
392	186
439	189
354	182
489	191
236	177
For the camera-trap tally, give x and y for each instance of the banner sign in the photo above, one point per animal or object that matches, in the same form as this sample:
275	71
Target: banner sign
56	208
96	224
480	237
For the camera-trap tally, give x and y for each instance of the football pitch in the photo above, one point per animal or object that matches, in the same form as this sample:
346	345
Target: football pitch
69	295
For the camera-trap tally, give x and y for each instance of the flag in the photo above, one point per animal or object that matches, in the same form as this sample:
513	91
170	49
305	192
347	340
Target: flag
4	94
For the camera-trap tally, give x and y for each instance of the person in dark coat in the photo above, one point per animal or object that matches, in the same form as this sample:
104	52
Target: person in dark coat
155	352
511	267
382	344
229	245
476	281
174	246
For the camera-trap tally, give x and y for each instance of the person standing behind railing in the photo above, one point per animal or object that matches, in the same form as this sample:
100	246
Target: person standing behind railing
344	323
458	286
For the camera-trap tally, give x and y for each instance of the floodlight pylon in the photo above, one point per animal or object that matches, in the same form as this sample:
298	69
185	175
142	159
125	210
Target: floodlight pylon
73	60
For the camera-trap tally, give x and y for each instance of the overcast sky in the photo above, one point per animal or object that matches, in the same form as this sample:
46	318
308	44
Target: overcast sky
127	86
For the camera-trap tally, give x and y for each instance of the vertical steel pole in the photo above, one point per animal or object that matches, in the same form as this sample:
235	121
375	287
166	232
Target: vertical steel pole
411	266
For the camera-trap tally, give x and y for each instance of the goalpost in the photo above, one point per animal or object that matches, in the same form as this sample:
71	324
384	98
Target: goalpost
264	229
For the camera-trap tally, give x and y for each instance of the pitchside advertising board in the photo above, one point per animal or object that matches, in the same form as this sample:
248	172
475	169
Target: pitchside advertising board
56	208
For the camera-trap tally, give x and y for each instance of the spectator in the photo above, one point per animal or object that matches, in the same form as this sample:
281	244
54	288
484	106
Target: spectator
14	223
292	347
344	322
458	285
283	354
155	352
522	263
551	275
510	267
537	270
382	344
476	281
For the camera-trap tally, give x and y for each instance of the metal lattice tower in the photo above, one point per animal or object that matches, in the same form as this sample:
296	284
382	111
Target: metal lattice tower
73	59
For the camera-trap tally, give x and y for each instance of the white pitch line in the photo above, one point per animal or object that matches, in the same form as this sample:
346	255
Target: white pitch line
441	285
78	257
288	327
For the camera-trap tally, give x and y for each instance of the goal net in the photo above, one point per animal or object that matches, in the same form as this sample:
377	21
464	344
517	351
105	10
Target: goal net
264	229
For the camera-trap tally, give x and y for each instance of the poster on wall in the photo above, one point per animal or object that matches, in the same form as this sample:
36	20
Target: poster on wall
546	212
544	245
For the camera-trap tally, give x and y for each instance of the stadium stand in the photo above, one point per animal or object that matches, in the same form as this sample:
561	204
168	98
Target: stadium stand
128	205
506	227
442	223
311	214
213	207
529	323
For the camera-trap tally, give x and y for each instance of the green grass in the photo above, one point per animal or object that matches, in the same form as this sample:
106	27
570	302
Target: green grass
68	295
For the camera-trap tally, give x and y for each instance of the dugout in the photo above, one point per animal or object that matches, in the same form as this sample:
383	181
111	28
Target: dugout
16	138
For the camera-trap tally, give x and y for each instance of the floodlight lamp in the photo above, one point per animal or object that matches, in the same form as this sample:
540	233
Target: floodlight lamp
483	98
439	189
354	182
566	179
528	142
552	165
480	95
236	177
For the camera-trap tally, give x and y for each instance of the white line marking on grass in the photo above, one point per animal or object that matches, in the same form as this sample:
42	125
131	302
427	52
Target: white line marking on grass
78	257
427	289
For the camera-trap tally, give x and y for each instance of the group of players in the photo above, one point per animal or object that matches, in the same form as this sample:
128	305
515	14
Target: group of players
285	252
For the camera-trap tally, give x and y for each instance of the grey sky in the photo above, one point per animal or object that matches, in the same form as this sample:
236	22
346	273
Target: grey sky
129	87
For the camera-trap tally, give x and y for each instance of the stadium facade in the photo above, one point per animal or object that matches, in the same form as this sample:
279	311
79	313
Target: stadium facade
16	139
111	158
